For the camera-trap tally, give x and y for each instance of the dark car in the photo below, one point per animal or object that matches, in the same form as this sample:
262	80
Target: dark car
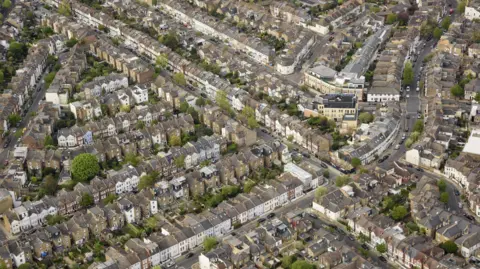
351	238
409	166
271	215
457	193
364	246
420	169
5	145
189	255
261	220
313	216
383	259
306	155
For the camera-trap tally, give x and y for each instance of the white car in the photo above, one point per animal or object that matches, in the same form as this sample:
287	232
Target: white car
418	89
397	147
408	96
408	88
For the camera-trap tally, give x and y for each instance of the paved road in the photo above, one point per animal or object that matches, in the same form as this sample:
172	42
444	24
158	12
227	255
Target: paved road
38	96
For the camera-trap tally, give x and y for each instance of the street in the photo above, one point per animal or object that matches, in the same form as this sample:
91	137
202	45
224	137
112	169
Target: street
38	94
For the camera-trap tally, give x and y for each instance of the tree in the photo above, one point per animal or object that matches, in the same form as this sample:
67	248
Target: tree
148	181
183	107
320	191
366	117
162	60
461	6
50	185
391	18
2	76
71	42
442	185
403	18
174	141
7	4
399	212
180	161
302	264
179	79
87	200
437	33
25	266
170	40
222	101
477	98
248	186
457	91
110	198
200	101
132	159
252	123
48	141
54	219
408	74
381	248
356	162
418	127
209	243
341	181
444	197
125	108
449	247
446	23
287	261
18	51
84	167
13	119
64	8
326	173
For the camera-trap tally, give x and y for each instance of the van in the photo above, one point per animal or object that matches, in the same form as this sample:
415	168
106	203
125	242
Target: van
397	147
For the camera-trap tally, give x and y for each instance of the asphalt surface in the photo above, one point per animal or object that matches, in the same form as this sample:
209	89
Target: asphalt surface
39	93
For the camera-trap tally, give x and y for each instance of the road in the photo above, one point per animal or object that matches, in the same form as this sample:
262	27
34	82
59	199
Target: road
39	93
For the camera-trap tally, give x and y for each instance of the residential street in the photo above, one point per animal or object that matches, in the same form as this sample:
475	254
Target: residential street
39	94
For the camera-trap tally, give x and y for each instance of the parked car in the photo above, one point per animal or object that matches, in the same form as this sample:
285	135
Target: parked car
261	220
457	193
189	255
351	238
383	259
313	216
323	165
364	246
271	215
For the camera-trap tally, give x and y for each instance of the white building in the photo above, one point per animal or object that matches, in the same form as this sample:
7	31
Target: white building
140	95
472	12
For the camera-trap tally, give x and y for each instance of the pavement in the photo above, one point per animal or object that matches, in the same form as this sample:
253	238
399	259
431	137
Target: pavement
39	93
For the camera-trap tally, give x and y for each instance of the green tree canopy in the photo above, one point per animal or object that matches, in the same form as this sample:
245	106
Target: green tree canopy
446	23
366	117
442	185
174	141
437	33
381	248
222	101
449	247
25	266
48	141
320	191
444	197
18	51
64	8
341	181
287	261
180	161
84	167
209	243
13	119
399	212
50	185
248	186
179	79
418	126
457	91
356	162
302	264
391	18
162	60
110	199
87	200
7	4
408	74
200	102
